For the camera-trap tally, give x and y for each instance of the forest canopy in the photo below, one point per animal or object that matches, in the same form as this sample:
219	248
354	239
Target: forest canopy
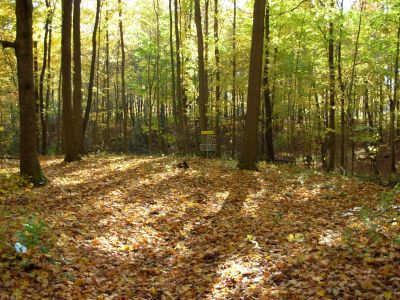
154	74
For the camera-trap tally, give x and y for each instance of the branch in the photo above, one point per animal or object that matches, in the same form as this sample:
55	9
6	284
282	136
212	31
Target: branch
290	10
7	44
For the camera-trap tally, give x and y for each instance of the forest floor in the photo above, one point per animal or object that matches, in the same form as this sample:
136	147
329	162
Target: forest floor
132	227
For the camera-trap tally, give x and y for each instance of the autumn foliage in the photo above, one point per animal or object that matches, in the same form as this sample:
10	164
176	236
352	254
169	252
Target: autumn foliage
126	227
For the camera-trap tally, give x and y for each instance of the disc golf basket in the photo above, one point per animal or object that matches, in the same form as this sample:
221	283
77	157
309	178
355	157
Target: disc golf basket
207	144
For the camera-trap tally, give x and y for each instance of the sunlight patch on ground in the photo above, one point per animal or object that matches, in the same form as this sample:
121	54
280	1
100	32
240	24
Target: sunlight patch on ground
329	238
239	274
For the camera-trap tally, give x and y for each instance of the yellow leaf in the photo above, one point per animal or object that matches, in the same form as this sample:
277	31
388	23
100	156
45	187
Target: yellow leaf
79	282
388	295
17	293
125	248
321	292
297	237
366	284
153	290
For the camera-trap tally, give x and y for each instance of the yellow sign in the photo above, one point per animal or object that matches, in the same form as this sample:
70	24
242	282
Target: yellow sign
207	132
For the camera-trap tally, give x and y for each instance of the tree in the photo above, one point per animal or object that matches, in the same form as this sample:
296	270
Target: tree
234	63
248	155
182	145
203	89
92	70
123	88
217	82
77	77
71	151
393	102
29	162
267	91
331	133
46	58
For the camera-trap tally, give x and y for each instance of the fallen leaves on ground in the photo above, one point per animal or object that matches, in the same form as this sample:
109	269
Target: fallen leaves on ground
126	227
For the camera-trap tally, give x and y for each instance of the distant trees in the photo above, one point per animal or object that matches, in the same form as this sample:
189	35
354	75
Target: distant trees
182	67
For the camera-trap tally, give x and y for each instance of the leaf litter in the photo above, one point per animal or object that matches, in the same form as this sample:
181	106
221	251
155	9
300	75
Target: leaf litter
136	227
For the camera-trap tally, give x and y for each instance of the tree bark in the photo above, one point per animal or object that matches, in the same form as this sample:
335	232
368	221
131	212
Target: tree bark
108	108
331	132
41	81
392	105
173	83
233	150
342	99
217	83
248	156
92	70
77	77
203	90
267	93
71	153
123	89
181	131
29	162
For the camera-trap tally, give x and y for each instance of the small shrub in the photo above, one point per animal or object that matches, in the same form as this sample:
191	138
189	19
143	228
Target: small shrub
33	234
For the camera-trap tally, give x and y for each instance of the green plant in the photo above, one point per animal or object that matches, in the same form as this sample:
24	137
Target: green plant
387	198
33	234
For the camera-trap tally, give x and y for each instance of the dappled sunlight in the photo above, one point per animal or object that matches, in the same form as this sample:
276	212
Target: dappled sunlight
208	232
330	238
240	274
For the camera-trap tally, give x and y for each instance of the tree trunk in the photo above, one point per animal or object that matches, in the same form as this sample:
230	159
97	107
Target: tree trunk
233	151
181	130
267	94
342	99
50	89
123	89
392	103
248	156
29	162
331	132
91	75
41	81
203	89
217	83
77	77
108	108
71	153
173	83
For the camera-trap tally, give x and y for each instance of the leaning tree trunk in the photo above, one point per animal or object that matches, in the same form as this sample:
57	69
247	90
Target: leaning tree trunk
29	163
248	156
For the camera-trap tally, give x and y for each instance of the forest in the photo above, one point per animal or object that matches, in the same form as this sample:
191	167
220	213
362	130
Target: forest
199	149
